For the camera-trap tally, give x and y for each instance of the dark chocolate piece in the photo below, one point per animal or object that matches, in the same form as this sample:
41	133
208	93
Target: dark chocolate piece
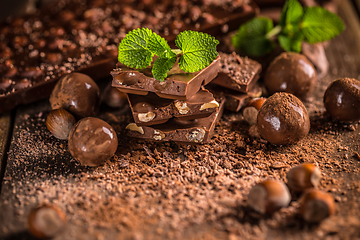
36	50
190	132
178	85
234	100
151	109
237	73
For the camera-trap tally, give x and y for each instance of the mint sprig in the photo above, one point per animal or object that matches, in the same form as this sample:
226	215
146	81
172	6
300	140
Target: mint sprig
196	51
311	24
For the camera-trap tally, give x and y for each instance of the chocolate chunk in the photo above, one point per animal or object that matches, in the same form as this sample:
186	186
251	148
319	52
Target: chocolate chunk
234	100
237	73
78	36
178	85
151	109
183	131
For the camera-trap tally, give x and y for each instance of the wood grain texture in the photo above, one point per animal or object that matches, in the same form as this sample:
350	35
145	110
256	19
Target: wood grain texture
109	202
5	129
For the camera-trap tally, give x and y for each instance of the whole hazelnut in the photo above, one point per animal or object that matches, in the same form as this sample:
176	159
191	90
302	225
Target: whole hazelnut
292	73
342	99
46	221
92	141
60	122
303	176
76	93
316	205
269	196
283	119
251	110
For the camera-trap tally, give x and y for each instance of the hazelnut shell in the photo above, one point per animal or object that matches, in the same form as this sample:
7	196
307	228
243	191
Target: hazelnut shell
60	122
316	205
303	176
46	221
269	196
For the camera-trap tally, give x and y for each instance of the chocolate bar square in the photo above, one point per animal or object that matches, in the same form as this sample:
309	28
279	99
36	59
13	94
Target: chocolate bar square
151	109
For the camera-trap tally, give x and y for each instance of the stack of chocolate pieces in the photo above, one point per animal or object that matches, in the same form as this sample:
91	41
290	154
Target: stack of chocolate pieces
236	81
177	109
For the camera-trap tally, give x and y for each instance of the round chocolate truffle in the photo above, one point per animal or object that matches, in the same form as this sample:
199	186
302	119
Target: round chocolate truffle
92	141
292	73
76	93
283	119
342	99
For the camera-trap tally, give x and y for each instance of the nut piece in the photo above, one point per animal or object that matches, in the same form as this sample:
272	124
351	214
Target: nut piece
303	176
269	196
46	221
212	104
251	110
196	135
182	107
158	135
316	205
146	117
60	122
134	127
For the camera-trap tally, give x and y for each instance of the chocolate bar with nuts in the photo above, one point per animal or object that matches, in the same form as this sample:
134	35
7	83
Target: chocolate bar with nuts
151	109
178	84
237	73
82	36
183	131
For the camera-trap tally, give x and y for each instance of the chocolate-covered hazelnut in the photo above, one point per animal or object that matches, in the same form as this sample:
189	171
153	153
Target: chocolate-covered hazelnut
342	99
283	119
76	93
92	141
292	73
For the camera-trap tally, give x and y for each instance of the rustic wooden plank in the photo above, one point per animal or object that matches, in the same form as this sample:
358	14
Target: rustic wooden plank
162	191
5	129
357	2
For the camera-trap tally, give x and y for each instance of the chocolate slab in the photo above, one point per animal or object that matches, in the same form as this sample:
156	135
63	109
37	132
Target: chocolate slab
151	109
36	50
178	85
234	100
237	73
190	132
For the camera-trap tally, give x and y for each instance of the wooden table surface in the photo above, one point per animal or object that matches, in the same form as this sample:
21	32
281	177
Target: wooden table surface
22	133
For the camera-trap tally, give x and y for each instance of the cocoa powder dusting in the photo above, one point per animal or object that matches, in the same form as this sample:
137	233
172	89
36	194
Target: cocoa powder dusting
150	190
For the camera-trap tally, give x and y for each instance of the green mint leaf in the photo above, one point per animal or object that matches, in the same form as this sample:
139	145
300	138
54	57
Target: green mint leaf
291	14
162	66
198	50
291	44
251	37
133	51
320	25
159	46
